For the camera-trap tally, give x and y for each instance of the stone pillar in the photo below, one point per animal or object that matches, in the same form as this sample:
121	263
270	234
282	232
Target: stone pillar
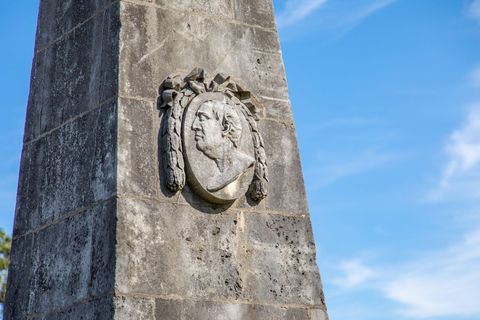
101	232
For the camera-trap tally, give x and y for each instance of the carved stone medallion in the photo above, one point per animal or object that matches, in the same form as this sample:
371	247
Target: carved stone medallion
211	138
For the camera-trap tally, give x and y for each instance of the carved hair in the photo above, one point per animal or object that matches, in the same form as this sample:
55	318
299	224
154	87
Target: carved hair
231	123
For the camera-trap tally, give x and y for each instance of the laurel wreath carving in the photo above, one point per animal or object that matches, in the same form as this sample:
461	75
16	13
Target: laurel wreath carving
176	93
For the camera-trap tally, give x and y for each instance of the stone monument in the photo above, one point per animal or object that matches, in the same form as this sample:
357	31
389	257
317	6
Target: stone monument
160	176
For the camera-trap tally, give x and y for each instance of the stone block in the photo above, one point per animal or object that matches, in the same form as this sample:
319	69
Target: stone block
58	17
20	275
280	255
134	308
255	12
68	169
212	8
103	249
138	167
318	314
277	109
166	249
74	75
102	309
150	51
35	97
257	39
286	186
62	264
209	310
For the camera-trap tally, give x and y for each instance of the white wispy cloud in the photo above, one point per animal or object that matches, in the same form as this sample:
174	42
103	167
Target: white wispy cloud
474	9
363	13
296	10
354	273
332	170
461	174
437	284
342	17
443	283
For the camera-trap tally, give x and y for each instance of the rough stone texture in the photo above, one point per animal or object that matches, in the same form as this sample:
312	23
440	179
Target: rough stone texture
63	264
68	169
280	257
74	74
101	309
186	310
178	40
165	249
134	308
97	235
63	251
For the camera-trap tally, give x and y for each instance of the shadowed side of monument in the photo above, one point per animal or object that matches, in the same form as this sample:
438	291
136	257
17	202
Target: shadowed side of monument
98	234
63	251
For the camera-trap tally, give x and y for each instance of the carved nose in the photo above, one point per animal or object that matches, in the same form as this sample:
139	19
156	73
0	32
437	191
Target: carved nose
195	125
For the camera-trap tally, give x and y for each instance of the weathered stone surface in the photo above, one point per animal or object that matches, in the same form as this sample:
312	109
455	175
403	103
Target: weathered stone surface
102	309
137	151
63	264
203	310
61	274
19	278
155	238
318	314
71	168
277	109
179	43
74	75
134	308
280	257
212	8
286	186
102	271
258	13
58	17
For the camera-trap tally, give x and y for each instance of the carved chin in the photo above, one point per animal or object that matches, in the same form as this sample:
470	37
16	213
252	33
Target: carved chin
203	147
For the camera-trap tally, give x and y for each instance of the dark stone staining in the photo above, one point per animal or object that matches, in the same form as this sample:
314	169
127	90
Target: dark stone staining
74	75
101	309
58	17
59	270
20	279
103	249
62	264
67	170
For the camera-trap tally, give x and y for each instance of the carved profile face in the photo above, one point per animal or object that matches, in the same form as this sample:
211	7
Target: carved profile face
220	152
217	129
218	145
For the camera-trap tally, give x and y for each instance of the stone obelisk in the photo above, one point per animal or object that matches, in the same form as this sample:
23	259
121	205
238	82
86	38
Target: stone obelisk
160	175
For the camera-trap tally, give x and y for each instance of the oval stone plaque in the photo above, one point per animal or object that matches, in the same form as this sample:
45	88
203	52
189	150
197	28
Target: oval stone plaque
218	148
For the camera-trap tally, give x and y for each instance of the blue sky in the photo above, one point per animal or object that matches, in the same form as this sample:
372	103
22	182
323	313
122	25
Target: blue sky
386	98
